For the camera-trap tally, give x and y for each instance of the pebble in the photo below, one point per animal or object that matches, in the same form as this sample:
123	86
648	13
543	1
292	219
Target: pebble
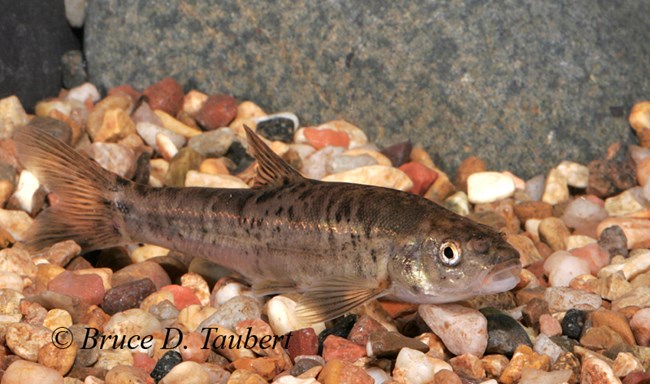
613	174
113	157
399	153
527	210
22	371
57	318
116	125
535	187
549	325
562	299
363	328
640	325
198	179
171	123
189	372
638	297
233	311
505	334
25	340
166	363
217	111
554	232
96	116
468	365
214	143
186	160
17	261
335	347
536	376
279	126
123	374
131	322
602	338
614	320
576	175
356	136
627	363
25	196
303	342
166	95
573	322
623	204
315	164
193	101
88	288
528	253
637	231
128	295
561	268
458	203
556	189
57	358
488	187
524	357
11	280
183	296
15	223
494	365
421	176
142	270
150	131
305	363
377	175
341	328
387	344
343	163
545	346
414	367
12	116
281	312
637	263
613	240
466	168
342	372
595	370
640	121
461	329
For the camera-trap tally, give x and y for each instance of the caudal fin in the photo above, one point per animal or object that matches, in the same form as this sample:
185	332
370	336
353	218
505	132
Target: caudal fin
82	206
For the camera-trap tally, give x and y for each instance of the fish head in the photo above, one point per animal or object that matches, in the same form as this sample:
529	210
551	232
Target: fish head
453	262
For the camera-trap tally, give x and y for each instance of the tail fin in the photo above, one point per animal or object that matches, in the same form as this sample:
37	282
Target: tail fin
82	209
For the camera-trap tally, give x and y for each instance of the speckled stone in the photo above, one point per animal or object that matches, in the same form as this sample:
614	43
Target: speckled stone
460	54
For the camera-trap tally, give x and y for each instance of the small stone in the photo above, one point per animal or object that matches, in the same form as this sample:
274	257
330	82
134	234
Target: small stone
504	333
60	253
554	232
549	325
57	318
193	101
25	340
186	372
171	123
458	203
305	363
377	175
612	175
123	374
166	363
149	132
166	95
602	338
462	330
22	371
466	168
563	299
468	365
186	160
527	210
218	166
113	157
637	378
88	288
595	370
637	231
494	365
335	347
115	126
535	187
638	297
131	322
198	179
341	328
398	153
524	357
528	253
280	127
128	295
581	212
640	121
214	143
556	189
535	376
25	196
614	320
573	322
576	175
533	310
55	357
96	116
217	112
343	163
623	204
11	280
561	267
595	257
138	271
636	264
627	363
183	296
388	344
281	312
421	176
198	285
414	367
233	311
488	187
12	116
640	325
357	137
303	342
363	328
342	372
613	241
15	223
545	346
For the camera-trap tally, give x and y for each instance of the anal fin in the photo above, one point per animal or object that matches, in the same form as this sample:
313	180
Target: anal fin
331	298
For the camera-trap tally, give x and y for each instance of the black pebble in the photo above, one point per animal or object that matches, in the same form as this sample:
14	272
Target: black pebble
573	322
398	153
505	334
238	155
168	361
277	129
341	328
143	169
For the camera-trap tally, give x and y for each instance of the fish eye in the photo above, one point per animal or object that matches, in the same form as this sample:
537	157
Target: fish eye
450	253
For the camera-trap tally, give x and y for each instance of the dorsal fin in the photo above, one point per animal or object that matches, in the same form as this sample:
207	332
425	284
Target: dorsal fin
271	169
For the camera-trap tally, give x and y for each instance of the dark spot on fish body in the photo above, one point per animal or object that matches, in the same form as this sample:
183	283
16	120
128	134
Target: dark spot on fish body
257	236
266	195
373	255
290	213
122	182
122	207
278	211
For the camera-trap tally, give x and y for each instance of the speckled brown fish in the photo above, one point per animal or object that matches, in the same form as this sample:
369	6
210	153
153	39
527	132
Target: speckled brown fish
341	244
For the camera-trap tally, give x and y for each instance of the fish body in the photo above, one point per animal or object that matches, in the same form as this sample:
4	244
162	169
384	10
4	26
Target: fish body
341	244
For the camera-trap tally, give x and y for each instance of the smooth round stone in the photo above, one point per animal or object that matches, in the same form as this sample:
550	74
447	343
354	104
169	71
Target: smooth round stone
193	101
25	340
561	267
16	260
414	367
166	95
536	376
461	329
192	349
613	241
624	204
217	111
637	231
123	374
128	295
21	371
189	372
314	165
89	288
488	187
561	299
345	163
16	224
213	143
554	232
388	344
535	187
132	322
281	312
576	175
398	153
60	359
57	318
233	311
225	292
335	347
573	322
138	271
505	334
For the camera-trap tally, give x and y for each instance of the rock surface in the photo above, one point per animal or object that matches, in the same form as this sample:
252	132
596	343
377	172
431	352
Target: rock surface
561	67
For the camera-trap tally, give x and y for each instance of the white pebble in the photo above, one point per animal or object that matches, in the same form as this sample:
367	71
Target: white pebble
488	187
281	312
532	227
198	179
581	212
11	280
166	147
545	346
556	189
461	329
535	376
84	92
294	380
187	372
637	263
414	367
576	175
27	185
579	241
376	175
344	163
149	131
561	267
227	292
378	375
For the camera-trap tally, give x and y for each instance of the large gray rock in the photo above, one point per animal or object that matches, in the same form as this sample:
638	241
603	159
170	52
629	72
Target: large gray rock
521	83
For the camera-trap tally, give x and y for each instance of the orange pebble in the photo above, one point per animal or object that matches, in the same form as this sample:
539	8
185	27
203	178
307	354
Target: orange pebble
143	361
422	176
183	296
321	138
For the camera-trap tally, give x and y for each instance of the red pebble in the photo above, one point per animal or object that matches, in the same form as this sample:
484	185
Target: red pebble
89	288
125	89
421	176
363	328
637	378
143	361
166	95
183	296
335	347
592	254
321	138
217	111
303	342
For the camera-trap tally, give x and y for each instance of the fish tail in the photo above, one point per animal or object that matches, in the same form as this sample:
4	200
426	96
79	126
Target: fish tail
83	194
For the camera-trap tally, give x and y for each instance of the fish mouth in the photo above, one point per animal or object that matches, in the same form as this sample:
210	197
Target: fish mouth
500	278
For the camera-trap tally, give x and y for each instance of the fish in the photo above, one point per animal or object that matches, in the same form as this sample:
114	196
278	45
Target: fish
339	244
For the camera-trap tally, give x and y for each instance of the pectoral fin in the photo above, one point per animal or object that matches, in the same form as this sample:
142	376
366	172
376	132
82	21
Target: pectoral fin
331	298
